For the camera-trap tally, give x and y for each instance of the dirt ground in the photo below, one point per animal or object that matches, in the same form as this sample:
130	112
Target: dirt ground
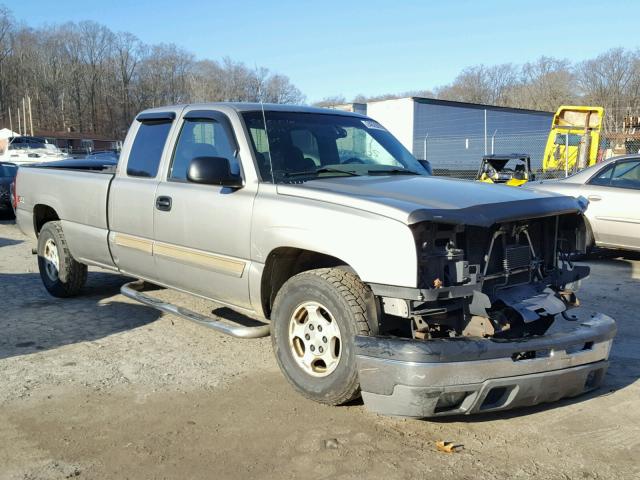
100	387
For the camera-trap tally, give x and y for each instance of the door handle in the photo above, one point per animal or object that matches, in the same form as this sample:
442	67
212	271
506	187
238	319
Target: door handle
594	198
163	203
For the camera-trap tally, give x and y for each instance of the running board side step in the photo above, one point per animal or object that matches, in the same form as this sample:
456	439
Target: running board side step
134	290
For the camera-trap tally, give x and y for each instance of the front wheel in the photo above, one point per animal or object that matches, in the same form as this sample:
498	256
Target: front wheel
316	316
61	274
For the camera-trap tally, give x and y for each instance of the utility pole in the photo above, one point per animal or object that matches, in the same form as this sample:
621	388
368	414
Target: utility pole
64	124
19	124
24	117
30	115
10	122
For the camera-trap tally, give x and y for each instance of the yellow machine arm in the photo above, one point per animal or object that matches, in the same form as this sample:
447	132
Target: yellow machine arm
574	138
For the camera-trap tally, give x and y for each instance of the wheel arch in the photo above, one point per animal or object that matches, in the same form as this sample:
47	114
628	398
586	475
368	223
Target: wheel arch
282	263
42	214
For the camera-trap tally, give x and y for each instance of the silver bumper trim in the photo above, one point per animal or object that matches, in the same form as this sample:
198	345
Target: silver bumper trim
445	377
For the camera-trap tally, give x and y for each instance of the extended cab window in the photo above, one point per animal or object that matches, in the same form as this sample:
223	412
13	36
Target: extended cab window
201	138
146	150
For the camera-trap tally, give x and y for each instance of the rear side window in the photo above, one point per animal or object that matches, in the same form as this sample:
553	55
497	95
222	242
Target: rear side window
146	150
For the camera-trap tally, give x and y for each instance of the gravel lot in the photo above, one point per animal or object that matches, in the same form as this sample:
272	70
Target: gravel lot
101	387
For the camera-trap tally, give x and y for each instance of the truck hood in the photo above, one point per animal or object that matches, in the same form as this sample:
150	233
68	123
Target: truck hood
412	199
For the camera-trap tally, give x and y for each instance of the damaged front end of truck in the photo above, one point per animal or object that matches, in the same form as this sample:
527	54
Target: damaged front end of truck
476	335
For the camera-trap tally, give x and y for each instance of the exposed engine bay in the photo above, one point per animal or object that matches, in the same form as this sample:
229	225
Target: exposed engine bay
510	280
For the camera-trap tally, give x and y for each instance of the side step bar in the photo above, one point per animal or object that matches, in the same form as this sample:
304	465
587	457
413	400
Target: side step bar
134	290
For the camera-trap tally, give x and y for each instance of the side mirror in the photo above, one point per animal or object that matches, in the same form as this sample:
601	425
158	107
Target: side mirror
213	171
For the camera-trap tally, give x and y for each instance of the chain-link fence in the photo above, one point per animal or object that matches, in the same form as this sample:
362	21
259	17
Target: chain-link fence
461	156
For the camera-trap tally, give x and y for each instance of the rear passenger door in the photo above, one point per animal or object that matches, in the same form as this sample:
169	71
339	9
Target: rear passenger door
132	196
202	232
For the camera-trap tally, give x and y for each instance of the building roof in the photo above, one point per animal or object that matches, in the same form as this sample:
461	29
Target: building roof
480	106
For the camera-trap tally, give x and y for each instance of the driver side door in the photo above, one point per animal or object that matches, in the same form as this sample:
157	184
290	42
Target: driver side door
202	232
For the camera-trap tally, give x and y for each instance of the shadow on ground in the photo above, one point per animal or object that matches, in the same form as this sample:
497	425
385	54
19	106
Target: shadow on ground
7	242
605	254
31	320
233	316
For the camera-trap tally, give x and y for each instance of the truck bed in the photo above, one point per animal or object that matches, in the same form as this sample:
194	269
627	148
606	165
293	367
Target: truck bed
77	191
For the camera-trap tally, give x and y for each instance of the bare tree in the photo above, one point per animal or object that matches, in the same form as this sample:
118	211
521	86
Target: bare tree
544	85
331	101
481	84
279	89
606	80
6	26
128	52
84	77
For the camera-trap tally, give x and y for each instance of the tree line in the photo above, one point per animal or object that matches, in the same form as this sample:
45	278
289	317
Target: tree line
84	77
610	80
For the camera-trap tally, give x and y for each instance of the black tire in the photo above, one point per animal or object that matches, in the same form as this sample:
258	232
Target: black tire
71	275
349	302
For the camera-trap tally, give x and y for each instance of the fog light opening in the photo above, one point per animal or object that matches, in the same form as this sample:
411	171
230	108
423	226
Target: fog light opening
495	398
450	401
593	379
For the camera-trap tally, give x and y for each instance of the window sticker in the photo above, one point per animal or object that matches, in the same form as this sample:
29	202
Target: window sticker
372	124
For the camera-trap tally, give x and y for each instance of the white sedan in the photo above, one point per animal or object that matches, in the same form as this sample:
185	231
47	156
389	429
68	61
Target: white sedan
613	190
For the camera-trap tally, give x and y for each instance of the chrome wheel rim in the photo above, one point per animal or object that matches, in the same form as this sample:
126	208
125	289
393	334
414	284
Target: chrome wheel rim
314	339
51	259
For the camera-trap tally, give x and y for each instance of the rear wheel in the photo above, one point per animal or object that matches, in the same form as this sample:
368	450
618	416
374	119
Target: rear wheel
61	274
316	316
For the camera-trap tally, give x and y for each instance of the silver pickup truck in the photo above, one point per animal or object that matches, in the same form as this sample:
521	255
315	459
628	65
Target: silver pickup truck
428	296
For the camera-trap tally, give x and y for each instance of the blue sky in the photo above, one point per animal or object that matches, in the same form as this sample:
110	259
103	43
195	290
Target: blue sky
371	47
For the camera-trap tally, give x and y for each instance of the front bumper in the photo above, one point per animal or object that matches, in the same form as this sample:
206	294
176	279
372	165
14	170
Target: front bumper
418	378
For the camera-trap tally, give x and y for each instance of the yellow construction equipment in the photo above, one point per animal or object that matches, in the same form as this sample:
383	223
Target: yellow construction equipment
513	169
574	138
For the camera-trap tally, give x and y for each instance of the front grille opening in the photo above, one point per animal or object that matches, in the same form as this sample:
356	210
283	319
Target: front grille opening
450	401
594	378
530	355
496	397
579	347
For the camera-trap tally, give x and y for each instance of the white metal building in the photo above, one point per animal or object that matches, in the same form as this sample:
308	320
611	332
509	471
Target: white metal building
456	134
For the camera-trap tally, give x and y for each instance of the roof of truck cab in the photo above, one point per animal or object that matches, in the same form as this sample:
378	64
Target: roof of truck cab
252	107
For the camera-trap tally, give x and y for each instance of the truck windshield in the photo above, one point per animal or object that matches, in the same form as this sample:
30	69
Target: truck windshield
306	146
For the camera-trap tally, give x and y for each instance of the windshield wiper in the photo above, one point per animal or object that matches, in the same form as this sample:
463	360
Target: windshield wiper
393	171
320	170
